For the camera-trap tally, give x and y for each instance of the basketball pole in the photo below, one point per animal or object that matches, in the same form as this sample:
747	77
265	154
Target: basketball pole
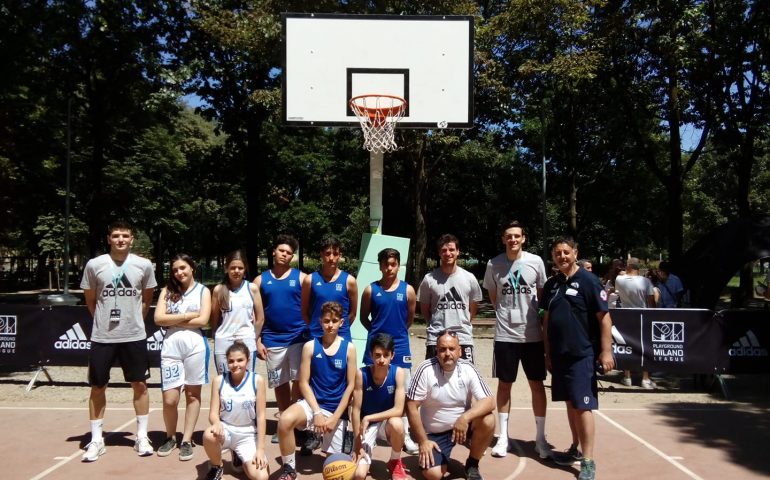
375	191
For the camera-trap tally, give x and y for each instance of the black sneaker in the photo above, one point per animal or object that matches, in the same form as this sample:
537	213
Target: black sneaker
215	473
237	462
347	442
165	449
312	442
472	473
569	457
287	473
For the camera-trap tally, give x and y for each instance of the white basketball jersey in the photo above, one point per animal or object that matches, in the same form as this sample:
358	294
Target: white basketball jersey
180	342
237	404
238	319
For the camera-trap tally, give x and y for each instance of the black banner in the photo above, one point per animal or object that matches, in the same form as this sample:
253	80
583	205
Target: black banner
746	339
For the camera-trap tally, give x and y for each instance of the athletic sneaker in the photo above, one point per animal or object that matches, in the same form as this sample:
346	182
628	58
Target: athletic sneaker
215	473
472	473
237	462
626	381
143	447
287	473
275	439
347	442
500	449
185	451
648	384
568	457
168	446
587	470
543	449
396	469
312	442
94	450
410	447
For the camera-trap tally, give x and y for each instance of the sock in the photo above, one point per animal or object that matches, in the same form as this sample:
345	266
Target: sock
406	428
289	460
96	430
502	418
395	455
141	425
540	424
471	462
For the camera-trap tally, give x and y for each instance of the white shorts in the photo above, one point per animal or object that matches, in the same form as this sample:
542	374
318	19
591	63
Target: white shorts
191	370
241	440
283	364
222	344
332	441
375	431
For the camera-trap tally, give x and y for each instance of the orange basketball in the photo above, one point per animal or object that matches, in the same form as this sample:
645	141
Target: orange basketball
339	467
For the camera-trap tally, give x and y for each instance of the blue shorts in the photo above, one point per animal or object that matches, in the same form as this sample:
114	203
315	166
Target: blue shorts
445	444
574	379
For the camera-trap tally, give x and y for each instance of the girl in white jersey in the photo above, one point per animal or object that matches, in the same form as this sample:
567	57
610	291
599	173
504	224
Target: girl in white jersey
183	310
237	417
236	311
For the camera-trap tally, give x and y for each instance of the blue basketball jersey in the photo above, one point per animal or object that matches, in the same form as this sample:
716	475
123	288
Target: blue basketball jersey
389	312
378	398
328	375
322	292
282	302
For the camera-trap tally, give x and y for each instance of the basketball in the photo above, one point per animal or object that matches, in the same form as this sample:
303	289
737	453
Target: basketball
339	467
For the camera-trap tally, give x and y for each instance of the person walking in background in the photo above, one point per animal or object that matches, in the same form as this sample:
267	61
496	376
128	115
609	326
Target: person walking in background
449	297
671	288
514	280
635	291
183	310
118	288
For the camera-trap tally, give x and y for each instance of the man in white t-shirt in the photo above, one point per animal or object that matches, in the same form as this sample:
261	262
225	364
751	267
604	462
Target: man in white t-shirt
449	297
448	403
635	291
514	280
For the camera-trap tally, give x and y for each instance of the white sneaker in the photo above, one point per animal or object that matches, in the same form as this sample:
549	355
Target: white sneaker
409	445
626	381
648	384
501	447
143	447
94	450
543	449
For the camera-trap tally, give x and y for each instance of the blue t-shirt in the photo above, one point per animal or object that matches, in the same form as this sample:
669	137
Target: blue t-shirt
572	304
670	291
321	292
282	301
328	375
390	311
378	398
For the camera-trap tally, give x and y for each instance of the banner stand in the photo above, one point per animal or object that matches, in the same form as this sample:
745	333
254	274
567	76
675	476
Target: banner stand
40	369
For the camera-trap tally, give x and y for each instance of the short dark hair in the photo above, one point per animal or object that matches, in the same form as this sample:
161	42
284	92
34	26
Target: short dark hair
583	261
119	225
514	224
329	241
564	239
447	238
387	253
665	267
382	340
447	331
332	307
237	346
284	239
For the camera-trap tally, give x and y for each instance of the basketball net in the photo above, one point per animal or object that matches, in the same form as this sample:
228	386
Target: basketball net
378	115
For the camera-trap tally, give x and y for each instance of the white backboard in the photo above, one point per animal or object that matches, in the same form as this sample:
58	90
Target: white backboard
330	58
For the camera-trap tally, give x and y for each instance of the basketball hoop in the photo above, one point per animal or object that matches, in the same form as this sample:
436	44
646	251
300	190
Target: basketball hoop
378	115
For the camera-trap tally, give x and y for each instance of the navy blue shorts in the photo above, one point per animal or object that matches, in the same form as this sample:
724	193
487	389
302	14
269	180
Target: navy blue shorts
573	379
445	443
506	358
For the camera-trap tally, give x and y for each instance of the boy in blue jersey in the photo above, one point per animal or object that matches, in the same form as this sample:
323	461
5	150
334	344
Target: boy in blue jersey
327	376
378	403
391	304
284	331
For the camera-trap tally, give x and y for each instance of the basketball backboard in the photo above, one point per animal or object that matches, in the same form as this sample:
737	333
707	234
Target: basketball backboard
330	58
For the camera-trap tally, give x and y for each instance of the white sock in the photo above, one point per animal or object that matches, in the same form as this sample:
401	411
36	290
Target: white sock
502	418
406	429
96	430
395	455
141	425
289	460
540	424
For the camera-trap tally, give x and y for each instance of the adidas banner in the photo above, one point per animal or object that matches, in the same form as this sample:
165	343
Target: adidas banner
56	335
746	340
668	340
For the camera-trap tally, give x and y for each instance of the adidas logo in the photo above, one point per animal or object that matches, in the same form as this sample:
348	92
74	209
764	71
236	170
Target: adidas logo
451	301
319	356
747	346
269	282
73	339
379	294
124	290
619	346
318	284
155	341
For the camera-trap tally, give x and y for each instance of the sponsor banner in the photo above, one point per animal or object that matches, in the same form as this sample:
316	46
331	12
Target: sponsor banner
668	340
746	339
56	335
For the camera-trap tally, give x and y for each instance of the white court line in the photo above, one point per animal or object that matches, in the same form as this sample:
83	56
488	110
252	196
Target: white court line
66	460
522	461
650	446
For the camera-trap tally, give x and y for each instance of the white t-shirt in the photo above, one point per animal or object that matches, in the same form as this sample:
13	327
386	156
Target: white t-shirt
516	284
445	395
633	290
118	288
449	297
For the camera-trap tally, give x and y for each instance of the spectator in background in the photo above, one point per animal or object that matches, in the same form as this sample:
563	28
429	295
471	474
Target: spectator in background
654	277
586	265
617	267
671	288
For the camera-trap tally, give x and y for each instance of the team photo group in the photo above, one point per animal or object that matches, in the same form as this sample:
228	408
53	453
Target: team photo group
299	325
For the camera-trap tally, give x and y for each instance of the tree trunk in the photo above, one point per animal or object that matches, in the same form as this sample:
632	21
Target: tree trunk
254	163
420	212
